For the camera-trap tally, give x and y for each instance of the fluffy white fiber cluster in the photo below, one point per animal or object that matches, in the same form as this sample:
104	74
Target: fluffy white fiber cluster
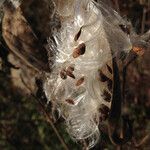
100	32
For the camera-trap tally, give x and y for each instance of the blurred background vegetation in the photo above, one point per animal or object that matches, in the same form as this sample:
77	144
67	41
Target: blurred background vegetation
23	125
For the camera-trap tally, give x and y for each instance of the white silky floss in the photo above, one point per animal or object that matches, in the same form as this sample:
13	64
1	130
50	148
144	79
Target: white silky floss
100	33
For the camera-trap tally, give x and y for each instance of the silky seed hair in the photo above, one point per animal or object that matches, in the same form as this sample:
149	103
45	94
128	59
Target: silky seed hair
89	37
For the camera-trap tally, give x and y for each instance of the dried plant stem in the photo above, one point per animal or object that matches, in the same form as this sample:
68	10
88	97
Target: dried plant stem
46	115
143	141
52	125
85	147
143	20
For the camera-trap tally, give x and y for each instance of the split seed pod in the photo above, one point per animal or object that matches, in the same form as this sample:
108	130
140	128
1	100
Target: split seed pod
25	30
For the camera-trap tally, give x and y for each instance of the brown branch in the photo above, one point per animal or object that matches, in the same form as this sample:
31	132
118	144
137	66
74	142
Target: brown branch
143	21
143	141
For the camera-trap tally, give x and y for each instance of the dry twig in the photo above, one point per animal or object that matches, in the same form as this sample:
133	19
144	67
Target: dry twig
46	115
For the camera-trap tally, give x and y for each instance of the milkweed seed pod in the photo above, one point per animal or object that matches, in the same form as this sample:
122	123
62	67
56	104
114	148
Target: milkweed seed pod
26	26
89	38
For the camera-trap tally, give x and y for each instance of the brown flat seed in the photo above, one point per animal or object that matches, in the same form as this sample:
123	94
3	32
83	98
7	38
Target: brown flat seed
70	101
104	117
70	74
77	35
124	28
106	95
104	109
109	69
103	77
80	81
109	84
80	50
70	69
63	74
100	119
